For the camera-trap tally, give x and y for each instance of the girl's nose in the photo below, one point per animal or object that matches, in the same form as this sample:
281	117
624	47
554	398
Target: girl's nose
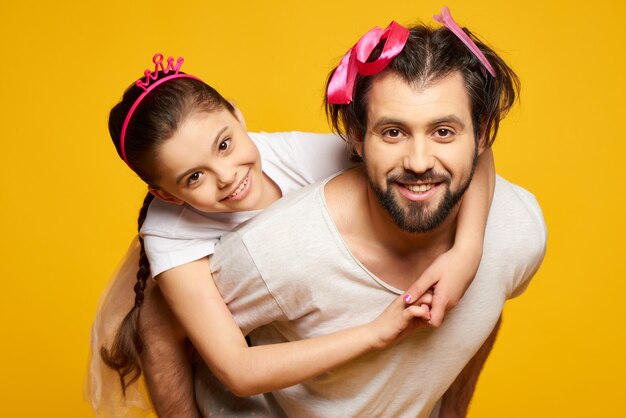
225	176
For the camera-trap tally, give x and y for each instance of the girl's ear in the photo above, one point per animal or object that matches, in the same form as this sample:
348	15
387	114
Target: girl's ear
165	196
238	115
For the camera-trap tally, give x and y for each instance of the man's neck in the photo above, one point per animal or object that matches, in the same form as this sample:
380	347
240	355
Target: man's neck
394	255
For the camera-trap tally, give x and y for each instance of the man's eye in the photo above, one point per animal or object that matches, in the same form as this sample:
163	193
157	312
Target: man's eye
444	132
393	133
194	178
223	146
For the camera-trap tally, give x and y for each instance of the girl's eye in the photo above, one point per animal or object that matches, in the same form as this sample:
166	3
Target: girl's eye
194	178
223	146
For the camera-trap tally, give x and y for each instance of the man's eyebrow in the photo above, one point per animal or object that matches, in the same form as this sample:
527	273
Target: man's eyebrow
191	170
448	119
444	119
387	121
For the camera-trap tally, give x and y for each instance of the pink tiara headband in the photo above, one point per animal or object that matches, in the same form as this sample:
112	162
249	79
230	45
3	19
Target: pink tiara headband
354	62
157	59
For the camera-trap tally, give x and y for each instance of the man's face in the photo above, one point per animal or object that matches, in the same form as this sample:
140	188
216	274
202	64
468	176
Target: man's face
419	150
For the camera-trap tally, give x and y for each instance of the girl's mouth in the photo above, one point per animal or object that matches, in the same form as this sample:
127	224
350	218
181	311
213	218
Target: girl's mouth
242	190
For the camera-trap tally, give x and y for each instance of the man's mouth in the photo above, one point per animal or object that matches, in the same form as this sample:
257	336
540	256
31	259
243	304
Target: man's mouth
418	192
419	188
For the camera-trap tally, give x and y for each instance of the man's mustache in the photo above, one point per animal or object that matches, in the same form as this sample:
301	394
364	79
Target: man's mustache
408	176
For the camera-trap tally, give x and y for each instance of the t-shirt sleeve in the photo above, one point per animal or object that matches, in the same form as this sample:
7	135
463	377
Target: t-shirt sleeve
516	234
534	238
241	285
174	235
165	253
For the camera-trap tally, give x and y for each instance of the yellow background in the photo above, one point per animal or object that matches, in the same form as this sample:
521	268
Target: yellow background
69	204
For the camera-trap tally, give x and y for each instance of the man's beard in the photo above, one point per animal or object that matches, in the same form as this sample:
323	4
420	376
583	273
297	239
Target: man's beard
416	217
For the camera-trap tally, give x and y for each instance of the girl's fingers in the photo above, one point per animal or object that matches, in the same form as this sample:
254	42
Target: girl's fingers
438	311
419	311
426	299
419	287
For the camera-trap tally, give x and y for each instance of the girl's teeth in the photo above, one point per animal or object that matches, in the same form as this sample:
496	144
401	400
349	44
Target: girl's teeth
240	188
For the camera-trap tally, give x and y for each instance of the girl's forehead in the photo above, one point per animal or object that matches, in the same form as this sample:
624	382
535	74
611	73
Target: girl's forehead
208	118
194	139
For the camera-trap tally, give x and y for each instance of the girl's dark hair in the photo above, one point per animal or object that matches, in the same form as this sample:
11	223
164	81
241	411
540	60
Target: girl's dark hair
153	122
429	55
123	356
157	118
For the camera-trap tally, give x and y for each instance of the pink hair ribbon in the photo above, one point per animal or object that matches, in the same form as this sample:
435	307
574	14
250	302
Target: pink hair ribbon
446	19
354	62
157	59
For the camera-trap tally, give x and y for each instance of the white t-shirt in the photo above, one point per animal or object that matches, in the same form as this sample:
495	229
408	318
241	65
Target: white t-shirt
175	235
287	275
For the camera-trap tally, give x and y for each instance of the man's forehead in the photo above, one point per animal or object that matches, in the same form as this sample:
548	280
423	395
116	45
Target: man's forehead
391	96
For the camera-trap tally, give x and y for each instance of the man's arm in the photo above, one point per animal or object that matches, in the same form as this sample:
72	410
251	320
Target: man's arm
456	400
166	358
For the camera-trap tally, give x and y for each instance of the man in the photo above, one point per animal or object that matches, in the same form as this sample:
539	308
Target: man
335	254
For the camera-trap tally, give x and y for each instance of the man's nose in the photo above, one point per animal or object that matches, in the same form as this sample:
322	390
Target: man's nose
418	156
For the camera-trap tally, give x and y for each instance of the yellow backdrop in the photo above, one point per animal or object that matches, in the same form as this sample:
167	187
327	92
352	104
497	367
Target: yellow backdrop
70	204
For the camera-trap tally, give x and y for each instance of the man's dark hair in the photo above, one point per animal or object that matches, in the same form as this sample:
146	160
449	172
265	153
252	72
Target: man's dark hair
430	55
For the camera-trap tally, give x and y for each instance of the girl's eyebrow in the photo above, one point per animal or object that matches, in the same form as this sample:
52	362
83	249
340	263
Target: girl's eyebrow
191	170
217	137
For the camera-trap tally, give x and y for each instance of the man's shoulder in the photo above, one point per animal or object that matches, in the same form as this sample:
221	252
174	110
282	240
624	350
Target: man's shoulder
290	211
515	237
513	202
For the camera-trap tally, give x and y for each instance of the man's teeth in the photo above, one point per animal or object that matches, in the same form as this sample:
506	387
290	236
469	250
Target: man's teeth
241	187
419	188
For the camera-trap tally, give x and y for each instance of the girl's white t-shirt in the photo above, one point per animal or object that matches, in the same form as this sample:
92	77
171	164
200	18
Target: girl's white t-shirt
179	234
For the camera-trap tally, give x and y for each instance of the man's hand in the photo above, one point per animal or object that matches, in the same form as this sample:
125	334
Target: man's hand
166	358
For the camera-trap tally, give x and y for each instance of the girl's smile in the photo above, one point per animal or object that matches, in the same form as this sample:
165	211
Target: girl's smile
211	164
242	189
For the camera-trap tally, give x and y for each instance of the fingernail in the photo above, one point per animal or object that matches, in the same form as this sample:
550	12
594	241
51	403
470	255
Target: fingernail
408	298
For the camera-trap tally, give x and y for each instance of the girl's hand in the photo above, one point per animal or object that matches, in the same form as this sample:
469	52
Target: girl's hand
398	320
448	277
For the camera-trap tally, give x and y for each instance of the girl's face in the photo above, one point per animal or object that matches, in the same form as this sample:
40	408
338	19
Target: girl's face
211	164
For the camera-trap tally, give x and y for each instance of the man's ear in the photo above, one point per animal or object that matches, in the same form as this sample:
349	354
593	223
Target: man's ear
482	140
165	196
238	114
358	146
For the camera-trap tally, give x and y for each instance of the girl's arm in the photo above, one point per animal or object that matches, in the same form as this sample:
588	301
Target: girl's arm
191	293
452	272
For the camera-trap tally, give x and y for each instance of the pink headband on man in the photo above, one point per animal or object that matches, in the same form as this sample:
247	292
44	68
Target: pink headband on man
341	85
157	59
445	18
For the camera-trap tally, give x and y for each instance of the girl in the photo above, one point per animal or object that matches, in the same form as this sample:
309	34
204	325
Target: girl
191	148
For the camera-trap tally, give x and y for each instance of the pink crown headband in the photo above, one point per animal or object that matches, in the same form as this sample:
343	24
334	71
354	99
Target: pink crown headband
354	62
446	19
157	59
